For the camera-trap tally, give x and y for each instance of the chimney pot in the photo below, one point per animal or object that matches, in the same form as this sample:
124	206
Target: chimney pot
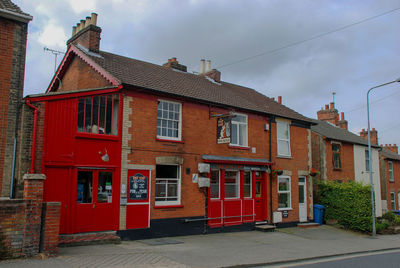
332	105
373	129
273	99
208	66
280	99
326	106
83	24
73	30
88	21
94	19
342	116
174	59
202	66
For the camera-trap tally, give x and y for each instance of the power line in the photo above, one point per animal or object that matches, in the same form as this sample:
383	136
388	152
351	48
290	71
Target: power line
378	100
307	40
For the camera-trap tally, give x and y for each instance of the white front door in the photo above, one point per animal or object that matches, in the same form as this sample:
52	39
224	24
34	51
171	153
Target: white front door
398	200
302	199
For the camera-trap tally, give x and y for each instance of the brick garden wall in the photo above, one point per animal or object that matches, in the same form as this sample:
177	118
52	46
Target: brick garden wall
24	223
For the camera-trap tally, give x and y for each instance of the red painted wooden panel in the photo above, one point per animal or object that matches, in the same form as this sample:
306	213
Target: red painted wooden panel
60	129
137	211
248	209
215	211
57	188
232	211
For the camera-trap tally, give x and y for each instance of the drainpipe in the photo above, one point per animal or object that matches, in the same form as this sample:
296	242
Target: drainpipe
35	113
270	173
13	168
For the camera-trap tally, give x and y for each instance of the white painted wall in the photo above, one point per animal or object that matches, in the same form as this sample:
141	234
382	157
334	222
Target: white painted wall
361	175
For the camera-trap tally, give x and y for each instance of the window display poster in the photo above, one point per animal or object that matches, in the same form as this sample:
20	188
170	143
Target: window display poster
138	187
224	130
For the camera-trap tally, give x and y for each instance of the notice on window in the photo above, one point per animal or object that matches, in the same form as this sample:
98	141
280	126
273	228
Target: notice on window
138	187
223	130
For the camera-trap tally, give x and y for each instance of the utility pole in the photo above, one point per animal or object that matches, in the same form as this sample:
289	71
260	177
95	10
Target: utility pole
55	53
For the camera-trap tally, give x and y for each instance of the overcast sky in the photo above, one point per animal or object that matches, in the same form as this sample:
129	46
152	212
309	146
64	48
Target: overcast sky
348	61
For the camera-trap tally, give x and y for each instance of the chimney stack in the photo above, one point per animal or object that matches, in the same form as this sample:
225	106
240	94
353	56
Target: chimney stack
329	114
392	148
343	123
373	133
280	99
87	34
211	73
202	66
174	64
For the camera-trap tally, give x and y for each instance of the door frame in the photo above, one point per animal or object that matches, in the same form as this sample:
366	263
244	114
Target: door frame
305	198
262	198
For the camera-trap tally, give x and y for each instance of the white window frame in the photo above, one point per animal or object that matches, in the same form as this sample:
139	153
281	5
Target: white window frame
179	138
246	141
287	124
179	179
251	183
390	167
219	185
367	160
285	192
393	200
237	184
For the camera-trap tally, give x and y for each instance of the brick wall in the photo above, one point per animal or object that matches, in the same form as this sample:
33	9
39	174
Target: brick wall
25	222
81	76
13	48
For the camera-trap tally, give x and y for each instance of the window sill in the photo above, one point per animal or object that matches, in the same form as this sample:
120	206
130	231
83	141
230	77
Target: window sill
96	136
239	147
337	169
284	156
283	209
391	181
167	140
168	206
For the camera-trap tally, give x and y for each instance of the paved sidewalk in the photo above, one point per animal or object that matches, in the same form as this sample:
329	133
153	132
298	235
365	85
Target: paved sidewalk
218	250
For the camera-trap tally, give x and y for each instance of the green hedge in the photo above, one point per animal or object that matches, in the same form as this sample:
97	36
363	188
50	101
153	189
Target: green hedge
349	203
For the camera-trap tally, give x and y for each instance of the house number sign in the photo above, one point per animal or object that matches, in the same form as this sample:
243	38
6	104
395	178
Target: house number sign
138	187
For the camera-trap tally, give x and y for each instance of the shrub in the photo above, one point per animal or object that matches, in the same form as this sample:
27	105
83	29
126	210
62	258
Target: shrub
381	226
349	203
396	220
389	216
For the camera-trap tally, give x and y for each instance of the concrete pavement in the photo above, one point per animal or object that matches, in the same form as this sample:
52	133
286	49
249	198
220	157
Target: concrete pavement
218	250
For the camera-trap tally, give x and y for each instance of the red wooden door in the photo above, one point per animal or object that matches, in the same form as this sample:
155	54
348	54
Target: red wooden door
138	199
94	197
260	199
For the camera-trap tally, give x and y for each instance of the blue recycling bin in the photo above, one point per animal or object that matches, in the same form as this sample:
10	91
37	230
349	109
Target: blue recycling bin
397	212
319	213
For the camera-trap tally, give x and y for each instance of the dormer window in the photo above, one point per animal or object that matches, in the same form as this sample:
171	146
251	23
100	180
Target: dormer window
98	114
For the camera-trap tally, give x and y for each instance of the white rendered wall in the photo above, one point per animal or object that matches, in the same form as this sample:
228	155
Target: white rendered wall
361	175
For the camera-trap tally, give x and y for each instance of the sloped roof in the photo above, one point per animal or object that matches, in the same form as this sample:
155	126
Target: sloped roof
10	10
336	133
165	80
389	154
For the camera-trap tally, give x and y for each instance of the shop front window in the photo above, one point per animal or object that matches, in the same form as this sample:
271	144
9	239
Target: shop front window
232	184
84	187
98	114
214	187
247	184
104	194
167	184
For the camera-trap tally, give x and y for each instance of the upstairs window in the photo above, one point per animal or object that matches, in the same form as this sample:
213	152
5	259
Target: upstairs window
283	138
98	114
337	164
390	165
367	160
169	120
239	130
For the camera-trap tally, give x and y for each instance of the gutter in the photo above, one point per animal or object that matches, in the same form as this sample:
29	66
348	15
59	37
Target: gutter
15	16
35	113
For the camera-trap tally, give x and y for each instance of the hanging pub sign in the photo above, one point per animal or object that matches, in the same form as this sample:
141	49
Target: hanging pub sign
138	187
223	130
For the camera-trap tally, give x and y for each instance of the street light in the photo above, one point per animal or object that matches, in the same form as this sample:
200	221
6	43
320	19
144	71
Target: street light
370	158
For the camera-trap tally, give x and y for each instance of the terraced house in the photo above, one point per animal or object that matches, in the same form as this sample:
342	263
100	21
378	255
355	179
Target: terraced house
151	150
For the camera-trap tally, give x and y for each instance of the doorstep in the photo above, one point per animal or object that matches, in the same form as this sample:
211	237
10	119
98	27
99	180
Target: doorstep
265	228
307	224
92	238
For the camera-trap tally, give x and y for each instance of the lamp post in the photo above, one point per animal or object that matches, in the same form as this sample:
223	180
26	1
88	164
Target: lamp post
370	157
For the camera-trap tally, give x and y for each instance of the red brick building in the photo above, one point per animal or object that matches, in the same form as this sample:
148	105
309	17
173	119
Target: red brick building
13	36
390	175
152	150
